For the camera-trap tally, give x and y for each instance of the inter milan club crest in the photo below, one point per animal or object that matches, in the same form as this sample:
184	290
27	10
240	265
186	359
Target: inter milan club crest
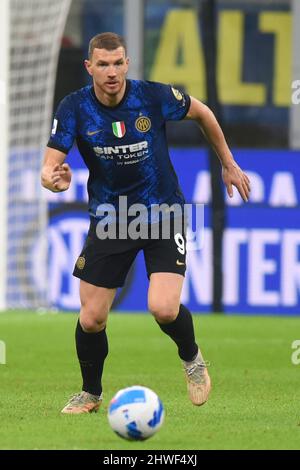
143	124
119	129
80	262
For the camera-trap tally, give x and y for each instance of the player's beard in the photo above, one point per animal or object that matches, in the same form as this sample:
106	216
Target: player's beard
116	89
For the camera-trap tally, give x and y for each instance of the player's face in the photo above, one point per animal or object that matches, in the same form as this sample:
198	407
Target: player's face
108	69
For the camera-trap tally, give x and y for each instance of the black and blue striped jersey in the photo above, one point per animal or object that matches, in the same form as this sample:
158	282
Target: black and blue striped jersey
124	147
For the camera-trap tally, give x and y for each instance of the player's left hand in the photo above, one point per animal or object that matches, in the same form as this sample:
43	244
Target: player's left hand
233	175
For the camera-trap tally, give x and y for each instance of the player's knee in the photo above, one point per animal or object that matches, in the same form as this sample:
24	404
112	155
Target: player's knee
164	312
91	325
92	321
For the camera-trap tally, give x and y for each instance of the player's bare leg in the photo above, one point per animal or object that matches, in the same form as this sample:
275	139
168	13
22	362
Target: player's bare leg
92	346
176	321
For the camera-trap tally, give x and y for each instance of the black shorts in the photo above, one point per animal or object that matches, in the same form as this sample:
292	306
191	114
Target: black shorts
105	263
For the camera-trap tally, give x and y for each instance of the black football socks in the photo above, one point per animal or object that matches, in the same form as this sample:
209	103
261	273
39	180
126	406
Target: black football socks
92	349
182	333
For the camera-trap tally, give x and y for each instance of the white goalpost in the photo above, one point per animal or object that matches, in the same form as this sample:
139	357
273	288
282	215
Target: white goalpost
30	33
4	66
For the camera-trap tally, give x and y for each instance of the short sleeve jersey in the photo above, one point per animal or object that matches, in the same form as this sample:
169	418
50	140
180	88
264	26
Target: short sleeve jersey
124	147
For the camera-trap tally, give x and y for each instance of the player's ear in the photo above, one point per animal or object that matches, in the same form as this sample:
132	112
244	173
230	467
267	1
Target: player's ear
88	64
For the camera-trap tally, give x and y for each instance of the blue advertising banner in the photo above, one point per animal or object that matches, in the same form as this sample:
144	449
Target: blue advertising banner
261	262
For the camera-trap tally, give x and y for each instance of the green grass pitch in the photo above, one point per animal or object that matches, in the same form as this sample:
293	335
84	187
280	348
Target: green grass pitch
254	402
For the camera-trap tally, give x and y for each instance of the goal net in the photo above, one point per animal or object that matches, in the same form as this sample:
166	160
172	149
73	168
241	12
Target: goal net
31	32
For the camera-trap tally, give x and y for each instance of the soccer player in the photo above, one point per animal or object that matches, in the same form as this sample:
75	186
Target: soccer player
119	127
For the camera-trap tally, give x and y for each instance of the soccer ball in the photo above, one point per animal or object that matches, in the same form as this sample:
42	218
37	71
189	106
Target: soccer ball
135	413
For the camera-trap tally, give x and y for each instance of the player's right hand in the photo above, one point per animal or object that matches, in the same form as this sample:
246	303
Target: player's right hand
61	177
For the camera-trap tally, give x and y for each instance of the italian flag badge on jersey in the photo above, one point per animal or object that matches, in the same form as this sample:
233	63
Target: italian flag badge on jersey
119	128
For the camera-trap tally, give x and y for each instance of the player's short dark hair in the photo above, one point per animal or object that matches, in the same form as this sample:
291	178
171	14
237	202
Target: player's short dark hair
108	41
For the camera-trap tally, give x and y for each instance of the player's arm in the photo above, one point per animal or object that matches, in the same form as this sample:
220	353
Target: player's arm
231	172
56	175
